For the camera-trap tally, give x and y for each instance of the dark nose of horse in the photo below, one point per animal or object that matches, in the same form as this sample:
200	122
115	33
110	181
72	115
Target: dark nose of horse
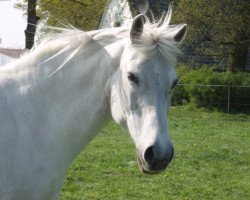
155	162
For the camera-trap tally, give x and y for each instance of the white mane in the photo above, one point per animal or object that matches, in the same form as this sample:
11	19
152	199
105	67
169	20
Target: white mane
156	39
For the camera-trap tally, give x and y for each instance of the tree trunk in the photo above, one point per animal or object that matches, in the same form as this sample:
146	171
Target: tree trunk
31	25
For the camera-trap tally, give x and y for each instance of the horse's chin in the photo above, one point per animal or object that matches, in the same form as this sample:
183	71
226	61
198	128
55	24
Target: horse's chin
146	168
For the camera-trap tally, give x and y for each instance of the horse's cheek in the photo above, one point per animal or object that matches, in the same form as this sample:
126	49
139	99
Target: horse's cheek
117	113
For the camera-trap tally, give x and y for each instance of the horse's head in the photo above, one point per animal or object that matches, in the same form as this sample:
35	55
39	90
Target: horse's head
141	89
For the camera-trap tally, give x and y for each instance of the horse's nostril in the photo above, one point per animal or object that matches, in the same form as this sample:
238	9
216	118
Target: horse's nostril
149	155
155	161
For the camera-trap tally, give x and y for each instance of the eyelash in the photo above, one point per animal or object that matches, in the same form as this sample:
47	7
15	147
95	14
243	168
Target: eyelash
133	78
173	86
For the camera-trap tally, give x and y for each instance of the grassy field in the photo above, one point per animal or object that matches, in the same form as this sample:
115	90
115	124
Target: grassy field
212	161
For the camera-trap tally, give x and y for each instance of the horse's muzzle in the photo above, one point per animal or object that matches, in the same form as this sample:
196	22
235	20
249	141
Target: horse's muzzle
150	163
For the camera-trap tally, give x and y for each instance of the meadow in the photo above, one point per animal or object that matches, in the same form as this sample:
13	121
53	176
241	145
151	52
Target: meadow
212	161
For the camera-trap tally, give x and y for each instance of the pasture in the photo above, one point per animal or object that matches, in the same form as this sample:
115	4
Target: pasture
211	161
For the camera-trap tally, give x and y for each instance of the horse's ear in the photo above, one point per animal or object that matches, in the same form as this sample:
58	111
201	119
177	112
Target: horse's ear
137	28
180	33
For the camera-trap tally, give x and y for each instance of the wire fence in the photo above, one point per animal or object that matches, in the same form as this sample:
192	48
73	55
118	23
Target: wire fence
230	91
203	85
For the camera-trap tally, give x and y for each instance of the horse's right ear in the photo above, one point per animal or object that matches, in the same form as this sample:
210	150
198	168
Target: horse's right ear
137	28
180	33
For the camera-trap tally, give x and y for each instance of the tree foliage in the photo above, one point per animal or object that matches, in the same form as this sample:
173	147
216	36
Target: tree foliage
82	14
217	28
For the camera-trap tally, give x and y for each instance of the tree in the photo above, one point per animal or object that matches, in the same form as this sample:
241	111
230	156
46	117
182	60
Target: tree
31	24
217	28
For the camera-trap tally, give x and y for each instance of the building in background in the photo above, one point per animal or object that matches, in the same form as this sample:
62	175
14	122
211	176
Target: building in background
7	55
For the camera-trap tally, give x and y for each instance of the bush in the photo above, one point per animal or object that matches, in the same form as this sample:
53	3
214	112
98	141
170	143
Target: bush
180	95
205	87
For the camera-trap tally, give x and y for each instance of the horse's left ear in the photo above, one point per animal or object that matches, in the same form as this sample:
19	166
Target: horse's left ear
180	33
137	28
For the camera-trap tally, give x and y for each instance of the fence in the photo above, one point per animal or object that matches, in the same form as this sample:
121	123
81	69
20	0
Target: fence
230	90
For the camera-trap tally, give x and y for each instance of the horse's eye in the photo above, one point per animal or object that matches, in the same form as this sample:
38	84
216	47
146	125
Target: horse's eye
174	83
133	78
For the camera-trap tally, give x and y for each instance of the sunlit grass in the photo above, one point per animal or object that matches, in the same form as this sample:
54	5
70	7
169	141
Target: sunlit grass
211	162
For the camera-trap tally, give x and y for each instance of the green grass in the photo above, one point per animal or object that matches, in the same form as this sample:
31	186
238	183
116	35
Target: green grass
212	157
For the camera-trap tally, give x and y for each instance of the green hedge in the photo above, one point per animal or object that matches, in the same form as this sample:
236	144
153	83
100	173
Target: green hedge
211	96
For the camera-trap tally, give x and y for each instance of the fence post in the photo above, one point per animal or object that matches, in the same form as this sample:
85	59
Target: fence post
229	88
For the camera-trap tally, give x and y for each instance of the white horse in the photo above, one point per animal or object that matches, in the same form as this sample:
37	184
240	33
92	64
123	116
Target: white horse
56	98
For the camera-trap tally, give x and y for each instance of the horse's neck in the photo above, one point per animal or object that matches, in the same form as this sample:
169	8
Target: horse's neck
81	95
72	104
